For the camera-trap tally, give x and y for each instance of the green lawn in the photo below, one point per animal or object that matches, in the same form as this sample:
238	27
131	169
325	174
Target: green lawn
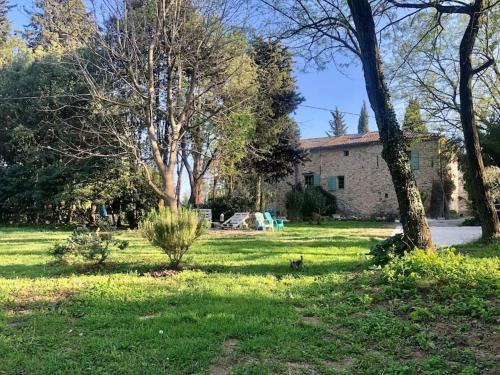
238	309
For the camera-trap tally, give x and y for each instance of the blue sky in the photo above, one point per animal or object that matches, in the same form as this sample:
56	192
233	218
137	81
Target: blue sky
324	89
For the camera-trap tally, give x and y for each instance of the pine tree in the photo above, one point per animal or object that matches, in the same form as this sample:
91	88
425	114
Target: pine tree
4	22
276	141
413	122
60	24
337	124
363	120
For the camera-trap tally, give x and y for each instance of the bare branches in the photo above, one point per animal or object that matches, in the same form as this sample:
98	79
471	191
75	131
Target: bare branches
440	6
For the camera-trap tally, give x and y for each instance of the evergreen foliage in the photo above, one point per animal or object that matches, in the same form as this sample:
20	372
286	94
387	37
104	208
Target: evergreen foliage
4	22
413	121
91	246
59	25
276	141
363	127
174	233
337	124
309	202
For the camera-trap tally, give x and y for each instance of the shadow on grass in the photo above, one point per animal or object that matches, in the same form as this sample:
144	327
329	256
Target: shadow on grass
50	270
151	334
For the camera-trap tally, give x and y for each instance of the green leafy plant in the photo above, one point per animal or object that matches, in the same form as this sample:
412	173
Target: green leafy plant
174	233
389	248
310	202
449	275
91	246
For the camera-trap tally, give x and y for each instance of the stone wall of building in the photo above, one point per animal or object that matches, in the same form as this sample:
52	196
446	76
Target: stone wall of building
368	190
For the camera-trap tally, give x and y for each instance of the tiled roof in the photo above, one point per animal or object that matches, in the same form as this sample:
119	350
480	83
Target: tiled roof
347	140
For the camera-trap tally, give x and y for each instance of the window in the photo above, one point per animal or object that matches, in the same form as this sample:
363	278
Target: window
414	157
309	180
346	152
341	182
386	195
332	183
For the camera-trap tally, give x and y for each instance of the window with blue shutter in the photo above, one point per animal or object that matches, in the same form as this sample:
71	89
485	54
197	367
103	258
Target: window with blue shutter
414	160
317	180
332	183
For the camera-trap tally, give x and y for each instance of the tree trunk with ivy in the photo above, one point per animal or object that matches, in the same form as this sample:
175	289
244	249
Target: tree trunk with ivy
480	187
415	227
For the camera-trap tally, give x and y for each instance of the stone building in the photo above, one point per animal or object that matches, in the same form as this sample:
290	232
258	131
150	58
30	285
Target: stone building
351	167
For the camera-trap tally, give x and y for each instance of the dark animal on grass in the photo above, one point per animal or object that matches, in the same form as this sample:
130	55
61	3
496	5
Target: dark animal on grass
297	264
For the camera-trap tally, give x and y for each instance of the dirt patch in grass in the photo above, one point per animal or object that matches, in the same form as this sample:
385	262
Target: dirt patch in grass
233	232
18	312
299	368
227	361
164	273
52	298
340	365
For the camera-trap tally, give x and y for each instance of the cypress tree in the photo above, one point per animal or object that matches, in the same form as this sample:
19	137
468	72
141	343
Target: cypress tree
413	122
363	120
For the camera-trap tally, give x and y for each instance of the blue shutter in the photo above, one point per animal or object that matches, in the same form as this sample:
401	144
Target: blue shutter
332	183
317	180
414	160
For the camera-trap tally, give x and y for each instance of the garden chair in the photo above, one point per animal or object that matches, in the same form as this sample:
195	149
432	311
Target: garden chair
276	223
236	221
261	223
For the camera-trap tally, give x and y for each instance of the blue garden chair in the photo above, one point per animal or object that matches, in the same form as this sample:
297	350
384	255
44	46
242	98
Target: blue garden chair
277	223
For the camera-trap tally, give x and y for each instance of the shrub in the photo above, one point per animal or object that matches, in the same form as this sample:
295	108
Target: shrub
317	219
389	248
91	246
294	201
310	202
172	232
471	222
449	275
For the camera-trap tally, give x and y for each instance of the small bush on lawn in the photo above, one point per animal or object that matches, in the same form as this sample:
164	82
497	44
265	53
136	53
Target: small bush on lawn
468	282
389	248
91	246
172	232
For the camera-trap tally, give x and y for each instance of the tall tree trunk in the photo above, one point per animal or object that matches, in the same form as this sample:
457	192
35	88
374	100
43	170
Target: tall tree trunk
196	198
394	152
480	186
214	187
93	214
180	168
166	170
258	193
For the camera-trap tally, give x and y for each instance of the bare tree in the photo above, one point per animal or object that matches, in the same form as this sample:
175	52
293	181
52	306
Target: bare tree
333	30
151	69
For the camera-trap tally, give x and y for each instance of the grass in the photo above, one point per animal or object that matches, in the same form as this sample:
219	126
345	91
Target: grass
237	309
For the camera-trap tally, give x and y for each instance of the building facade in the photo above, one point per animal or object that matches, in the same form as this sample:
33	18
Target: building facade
351	167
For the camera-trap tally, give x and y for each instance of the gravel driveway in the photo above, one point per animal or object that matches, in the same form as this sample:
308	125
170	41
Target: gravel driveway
448	232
